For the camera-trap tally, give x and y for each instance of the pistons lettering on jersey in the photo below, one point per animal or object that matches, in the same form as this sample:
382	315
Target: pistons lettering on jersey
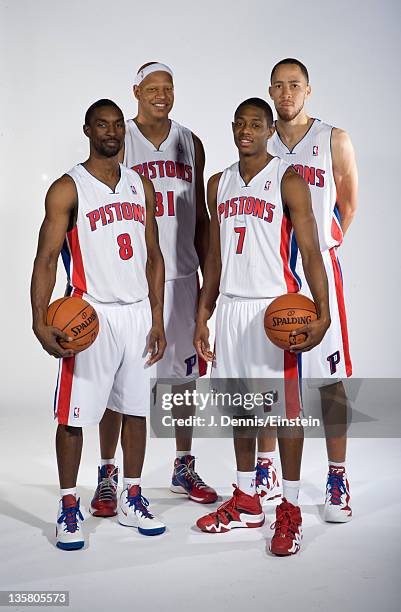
334	360
165	169
241	205
311	175
117	211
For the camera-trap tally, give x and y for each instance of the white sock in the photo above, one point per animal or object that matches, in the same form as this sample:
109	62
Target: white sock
180	454
107	462
246	482
268	455
337	463
291	491
72	491
129	482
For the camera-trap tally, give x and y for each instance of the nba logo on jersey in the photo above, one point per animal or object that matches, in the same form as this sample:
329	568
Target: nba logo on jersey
315	150
180	148
267	185
76	412
134	191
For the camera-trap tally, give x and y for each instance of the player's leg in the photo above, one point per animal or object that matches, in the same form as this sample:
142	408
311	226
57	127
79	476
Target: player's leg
104	501
267	481
335	413
130	396
288	525
181	363
83	386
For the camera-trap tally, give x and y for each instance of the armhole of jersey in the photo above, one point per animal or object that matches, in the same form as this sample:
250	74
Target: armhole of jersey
281	183
218	185
77	204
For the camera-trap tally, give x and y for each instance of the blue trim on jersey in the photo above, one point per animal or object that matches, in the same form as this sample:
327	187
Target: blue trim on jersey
56	390
293	258
300	375
341	272
337	213
66	257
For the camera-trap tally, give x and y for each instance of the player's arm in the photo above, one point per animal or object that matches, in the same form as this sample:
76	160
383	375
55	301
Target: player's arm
202	218
61	200
155	276
345	176
211	277
296	197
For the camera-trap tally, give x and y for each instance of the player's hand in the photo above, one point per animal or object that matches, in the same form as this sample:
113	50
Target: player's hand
314	331
49	338
156	344
201	342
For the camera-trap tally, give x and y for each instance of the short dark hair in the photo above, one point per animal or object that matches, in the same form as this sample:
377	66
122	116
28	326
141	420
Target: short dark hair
259	103
99	104
291	60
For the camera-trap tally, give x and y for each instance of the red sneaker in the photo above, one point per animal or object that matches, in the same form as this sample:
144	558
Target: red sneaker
241	510
104	502
188	482
288	531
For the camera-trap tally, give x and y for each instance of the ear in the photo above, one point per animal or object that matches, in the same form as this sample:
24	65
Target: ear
270	131
232	126
86	130
270	92
135	89
308	91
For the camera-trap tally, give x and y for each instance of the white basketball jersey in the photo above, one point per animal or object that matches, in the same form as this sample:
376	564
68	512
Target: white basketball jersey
105	253
311	158
171	168
258	247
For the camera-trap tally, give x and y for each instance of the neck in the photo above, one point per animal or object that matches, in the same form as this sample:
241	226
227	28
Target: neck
251	165
102	166
294	127
158	127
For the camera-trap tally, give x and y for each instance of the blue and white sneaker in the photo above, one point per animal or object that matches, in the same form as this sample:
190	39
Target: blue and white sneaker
69	534
133	512
267	482
337	507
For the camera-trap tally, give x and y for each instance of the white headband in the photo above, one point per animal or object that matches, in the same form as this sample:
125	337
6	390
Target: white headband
142	74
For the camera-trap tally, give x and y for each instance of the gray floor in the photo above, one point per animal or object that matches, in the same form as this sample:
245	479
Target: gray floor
341	567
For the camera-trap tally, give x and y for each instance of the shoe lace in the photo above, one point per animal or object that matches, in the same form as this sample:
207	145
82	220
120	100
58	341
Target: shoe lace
107	487
336	488
262	474
285	523
186	470
69	517
140	503
225	509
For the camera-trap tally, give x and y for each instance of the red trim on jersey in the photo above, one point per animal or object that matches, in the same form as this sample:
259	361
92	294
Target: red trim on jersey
64	396
291	385
336	230
78	278
202	364
290	281
341	309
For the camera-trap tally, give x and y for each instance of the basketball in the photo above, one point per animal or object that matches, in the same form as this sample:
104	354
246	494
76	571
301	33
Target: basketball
288	313
76	318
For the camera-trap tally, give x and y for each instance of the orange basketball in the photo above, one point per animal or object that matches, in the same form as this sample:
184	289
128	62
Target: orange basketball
76	318
288	313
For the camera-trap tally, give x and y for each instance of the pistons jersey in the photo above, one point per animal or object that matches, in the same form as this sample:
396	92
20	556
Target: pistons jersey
105	253
311	158
171	168
257	241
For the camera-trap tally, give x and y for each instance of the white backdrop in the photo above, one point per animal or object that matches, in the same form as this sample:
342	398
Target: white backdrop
58	57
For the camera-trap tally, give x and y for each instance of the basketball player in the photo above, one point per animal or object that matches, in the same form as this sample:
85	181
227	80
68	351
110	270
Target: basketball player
101	216
254	206
173	159
325	158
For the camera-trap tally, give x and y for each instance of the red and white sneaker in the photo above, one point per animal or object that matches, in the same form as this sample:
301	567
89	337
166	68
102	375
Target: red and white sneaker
336	507
241	510
186	481
104	502
267	482
288	530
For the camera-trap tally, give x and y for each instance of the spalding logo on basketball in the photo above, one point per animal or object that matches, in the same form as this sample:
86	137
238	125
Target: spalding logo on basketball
288	313
77	318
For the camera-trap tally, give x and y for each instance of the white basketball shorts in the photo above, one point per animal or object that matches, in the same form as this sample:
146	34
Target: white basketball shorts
331	358
243	351
111	373
180	360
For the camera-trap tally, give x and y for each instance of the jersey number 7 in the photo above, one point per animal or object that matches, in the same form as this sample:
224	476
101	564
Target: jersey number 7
241	237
